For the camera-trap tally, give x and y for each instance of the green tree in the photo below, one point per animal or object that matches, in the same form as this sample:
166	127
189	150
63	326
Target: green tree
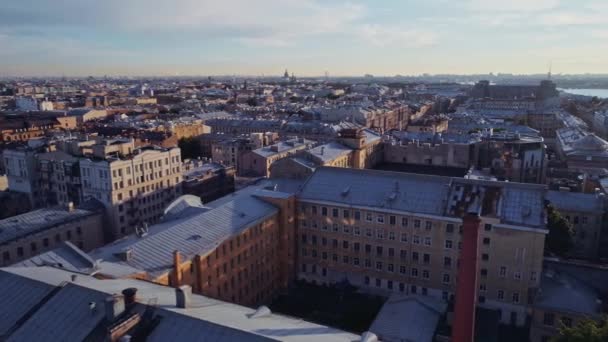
191	148
559	239
585	331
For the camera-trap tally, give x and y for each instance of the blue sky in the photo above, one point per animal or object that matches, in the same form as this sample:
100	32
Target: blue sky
381	37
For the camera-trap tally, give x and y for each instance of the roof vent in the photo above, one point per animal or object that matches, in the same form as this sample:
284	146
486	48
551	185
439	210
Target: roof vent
262	311
125	255
369	336
346	191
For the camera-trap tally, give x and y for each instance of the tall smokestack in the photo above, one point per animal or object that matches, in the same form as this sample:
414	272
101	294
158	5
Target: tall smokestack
463	325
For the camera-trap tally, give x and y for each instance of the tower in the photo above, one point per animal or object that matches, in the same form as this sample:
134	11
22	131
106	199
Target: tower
286	74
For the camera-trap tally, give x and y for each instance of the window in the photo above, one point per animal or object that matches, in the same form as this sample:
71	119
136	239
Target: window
345	259
416	240
415	256
357	246
503	272
402	269
449	228
389	284
378	282
346	214
392	220
324	211
447	262
335	227
485	257
549	319
380	233
391	235
416	223
428	225
357	215
487	227
501	295
356	261
391	267
368	263
380	219
334	212
403	237
482	287
357	231
427	241
314	209
345	244
446	278
414	272
33	247
533	276
448	244
515	297
425	274
484	272
517	275
366	280
368	248
368	232
404	222
379	265
379	251
486	241
368	217
426	258
403	254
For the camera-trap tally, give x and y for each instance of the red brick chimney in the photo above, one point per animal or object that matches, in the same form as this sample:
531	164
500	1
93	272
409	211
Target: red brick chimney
177	274
463	325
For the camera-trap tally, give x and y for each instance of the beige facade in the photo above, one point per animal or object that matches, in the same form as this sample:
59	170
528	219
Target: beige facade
135	189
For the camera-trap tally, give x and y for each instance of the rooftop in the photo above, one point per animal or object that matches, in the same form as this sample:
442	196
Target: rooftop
45	303
512	203
19	226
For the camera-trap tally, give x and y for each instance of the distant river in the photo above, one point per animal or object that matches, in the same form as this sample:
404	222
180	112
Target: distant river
603	93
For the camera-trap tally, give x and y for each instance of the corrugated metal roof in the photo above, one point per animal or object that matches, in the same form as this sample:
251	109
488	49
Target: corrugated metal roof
513	203
33	221
67	315
196	234
408	318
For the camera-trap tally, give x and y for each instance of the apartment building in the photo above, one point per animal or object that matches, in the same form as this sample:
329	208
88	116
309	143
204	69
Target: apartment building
586	213
25	236
258	161
240	248
135	184
390	232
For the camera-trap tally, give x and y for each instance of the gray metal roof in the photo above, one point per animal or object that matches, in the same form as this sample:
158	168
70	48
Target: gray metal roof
408	318
513	203
575	201
18	296
66	256
37	220
330	151
192	235
64	317
561	292
67	315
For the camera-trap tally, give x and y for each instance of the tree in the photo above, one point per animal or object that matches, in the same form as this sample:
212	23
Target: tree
191	148
559	239
585	331
252	102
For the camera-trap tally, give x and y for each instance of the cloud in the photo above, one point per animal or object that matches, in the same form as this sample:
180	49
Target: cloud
512	5
385	36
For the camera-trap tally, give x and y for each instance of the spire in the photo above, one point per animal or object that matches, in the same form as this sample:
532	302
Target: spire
286	74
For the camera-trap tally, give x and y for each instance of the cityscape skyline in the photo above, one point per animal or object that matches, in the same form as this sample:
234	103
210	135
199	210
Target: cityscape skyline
81	38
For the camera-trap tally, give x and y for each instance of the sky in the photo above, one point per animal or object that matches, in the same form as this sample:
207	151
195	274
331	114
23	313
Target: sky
307	37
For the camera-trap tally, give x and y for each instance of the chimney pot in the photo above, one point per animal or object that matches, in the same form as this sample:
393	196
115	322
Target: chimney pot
129	295
114	306
183	295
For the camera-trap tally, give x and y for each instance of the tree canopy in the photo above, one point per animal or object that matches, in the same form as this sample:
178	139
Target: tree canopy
585	331
559	239
191	148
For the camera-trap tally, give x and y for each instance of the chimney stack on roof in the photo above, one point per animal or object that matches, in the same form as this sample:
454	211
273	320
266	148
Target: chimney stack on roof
177	274
114	306
183	296
463	326
129	295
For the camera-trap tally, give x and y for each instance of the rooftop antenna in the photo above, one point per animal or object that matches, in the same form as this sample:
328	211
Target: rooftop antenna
550	67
